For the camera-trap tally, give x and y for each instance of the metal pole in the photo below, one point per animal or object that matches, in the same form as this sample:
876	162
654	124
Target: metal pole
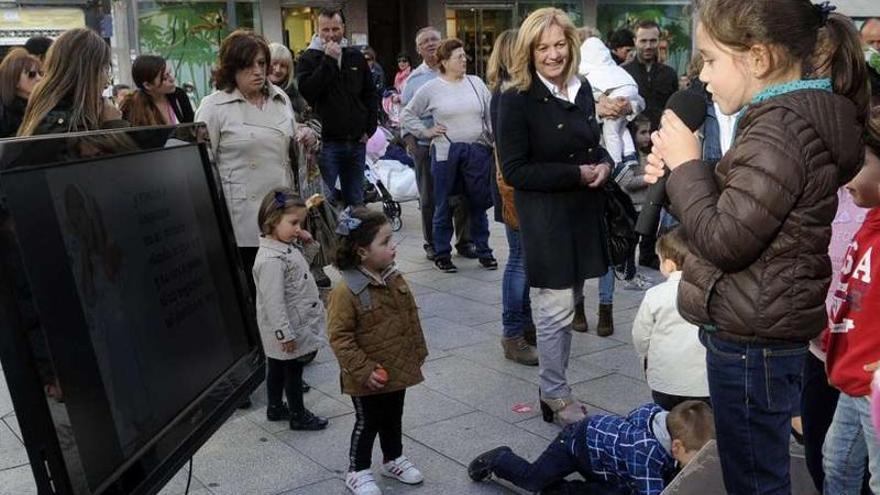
230	15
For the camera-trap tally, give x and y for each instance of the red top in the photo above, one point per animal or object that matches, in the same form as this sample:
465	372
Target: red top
852	338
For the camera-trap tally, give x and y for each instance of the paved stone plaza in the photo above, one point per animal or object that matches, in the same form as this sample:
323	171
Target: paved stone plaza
467	404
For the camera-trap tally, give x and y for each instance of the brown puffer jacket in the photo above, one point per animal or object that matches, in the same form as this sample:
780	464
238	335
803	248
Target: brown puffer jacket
760	226
371	324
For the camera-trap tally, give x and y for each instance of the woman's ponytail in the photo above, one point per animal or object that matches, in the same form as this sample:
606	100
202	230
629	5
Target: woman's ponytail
839	55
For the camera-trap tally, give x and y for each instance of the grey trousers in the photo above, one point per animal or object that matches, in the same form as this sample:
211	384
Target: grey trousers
553	312
425	182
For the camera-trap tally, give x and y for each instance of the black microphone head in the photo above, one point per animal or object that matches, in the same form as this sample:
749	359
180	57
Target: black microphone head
690	106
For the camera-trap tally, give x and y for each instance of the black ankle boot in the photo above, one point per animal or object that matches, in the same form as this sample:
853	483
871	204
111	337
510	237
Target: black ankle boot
277	413
481	467
306	421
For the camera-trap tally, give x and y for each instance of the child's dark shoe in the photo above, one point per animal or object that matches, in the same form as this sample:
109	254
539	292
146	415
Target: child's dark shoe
306	421
277	413
481	467
306	387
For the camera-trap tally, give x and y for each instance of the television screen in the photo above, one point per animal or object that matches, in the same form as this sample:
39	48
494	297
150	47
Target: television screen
131	300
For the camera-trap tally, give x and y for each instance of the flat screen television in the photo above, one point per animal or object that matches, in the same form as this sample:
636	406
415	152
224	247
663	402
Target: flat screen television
128	334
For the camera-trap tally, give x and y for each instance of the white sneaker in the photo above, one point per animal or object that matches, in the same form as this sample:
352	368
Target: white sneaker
362	483
403	471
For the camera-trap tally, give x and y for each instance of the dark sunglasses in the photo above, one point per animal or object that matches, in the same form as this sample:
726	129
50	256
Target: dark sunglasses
32	74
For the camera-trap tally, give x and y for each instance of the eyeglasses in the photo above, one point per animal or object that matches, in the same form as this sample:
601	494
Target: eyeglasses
32	74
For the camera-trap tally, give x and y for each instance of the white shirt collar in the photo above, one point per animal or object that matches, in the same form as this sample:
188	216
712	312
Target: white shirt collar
573	86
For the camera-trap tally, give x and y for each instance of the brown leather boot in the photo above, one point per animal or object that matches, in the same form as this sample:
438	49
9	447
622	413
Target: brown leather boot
518	350
579	324
606	320
529	334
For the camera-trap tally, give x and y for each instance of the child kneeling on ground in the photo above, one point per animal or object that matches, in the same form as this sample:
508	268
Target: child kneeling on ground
377	337
640	453
669	346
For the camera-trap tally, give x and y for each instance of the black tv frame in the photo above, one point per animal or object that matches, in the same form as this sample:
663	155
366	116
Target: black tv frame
156	462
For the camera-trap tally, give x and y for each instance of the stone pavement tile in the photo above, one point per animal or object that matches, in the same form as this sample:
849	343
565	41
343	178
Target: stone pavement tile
5	399
418	289
17	481
476	272
622	360
315	401
588	343
443	334
326	487
464	437
481	387
457	309
242	458
12	422
12	453
615	393
407	266
323	376
494	328
490	355
426	277
327	448
177	484
469	288
425	406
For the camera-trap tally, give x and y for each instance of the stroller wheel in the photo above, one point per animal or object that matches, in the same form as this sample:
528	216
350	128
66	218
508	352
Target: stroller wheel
392	211
396	224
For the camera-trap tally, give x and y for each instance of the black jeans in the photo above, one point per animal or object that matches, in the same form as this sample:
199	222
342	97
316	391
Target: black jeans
647	254
668	401
567	454
248	255
425	182
380	414
285	376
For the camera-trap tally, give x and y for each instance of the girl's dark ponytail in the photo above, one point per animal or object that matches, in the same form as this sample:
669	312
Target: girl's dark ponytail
839	54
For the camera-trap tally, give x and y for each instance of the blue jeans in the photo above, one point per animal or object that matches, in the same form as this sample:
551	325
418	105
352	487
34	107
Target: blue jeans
517	312
344	160
606	289
567	454
850	439
445	185
753	388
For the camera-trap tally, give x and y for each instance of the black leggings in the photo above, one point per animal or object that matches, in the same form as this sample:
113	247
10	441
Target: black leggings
285	376
380	414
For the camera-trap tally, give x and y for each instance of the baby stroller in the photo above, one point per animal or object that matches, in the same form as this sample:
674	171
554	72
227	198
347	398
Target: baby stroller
387	180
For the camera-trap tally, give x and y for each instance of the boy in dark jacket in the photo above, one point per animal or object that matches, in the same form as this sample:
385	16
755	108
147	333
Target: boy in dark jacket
639	454
853	343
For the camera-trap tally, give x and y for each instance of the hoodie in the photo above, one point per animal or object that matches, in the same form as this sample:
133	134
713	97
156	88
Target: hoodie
852	338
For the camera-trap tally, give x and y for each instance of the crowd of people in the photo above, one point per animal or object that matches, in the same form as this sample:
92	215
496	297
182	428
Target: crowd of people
737	343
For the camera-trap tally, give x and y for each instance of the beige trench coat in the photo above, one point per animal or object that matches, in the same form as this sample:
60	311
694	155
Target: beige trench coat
250	147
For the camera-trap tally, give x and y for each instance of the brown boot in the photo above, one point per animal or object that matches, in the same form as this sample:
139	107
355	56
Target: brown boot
529	334
518	350
606	321
579	324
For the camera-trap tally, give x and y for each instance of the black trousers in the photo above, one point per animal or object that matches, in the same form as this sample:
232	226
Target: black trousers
668	401
285	376
647	254
380	414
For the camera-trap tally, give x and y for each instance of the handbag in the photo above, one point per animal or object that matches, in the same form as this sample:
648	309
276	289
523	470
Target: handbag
619	222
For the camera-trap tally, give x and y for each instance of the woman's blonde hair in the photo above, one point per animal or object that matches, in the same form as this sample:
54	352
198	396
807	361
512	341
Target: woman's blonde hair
76	72
498	68
280	53
523	65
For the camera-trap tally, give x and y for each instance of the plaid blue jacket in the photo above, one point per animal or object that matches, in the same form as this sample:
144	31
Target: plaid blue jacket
625	451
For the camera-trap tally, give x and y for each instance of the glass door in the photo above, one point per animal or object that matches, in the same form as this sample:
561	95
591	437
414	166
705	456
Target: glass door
477	28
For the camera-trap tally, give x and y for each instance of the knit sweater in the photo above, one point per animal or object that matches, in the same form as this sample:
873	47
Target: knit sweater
461	106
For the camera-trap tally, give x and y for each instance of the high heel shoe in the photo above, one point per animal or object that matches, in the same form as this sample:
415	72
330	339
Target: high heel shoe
562	411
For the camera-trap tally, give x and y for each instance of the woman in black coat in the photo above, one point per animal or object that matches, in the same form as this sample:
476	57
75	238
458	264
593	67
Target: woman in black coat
548	144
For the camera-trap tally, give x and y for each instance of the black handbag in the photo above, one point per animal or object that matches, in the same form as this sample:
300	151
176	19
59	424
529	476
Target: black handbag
619	220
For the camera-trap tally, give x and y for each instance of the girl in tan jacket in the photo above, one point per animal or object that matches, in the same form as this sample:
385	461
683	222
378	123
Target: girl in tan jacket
375	333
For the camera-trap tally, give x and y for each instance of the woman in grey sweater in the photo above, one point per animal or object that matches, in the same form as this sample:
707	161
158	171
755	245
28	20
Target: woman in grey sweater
460	148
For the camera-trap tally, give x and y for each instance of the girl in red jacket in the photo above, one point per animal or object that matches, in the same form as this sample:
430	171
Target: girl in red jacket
853	343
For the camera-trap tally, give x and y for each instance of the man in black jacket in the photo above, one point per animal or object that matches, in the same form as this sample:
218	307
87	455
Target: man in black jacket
337	83
656	81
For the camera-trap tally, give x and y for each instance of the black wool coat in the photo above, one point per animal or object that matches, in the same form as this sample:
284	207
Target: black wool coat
541	142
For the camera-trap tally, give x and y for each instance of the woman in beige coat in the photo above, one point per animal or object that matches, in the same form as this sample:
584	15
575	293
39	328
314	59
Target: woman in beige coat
250	124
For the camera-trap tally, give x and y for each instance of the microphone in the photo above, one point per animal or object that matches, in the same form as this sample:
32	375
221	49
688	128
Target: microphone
690	107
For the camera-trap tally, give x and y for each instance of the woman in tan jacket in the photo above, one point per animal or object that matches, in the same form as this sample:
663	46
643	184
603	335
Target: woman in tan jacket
376	335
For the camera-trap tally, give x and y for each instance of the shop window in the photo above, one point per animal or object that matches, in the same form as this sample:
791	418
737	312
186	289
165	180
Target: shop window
676	24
